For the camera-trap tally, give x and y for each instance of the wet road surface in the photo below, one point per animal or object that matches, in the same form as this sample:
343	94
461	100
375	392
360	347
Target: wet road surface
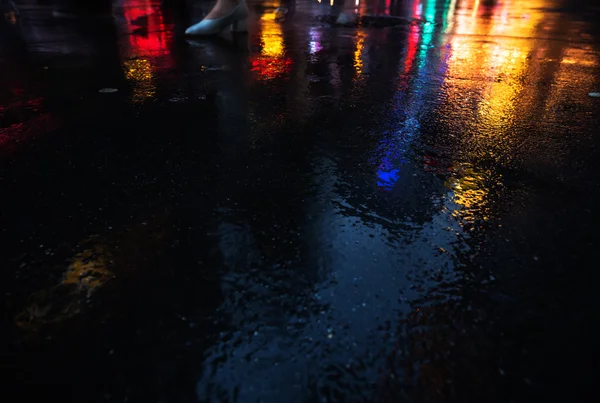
398	208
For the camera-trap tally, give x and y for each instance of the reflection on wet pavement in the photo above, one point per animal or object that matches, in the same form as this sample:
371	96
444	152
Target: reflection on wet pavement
397	209
86	272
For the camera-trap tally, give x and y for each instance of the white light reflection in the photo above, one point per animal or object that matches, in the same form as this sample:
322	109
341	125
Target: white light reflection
449	22
315	41
475	8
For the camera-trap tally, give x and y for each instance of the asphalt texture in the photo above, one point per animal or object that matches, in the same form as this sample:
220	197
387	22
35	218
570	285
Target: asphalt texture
398	205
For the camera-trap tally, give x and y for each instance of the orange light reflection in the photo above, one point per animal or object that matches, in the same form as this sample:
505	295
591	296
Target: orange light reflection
358	56
492	72
272	61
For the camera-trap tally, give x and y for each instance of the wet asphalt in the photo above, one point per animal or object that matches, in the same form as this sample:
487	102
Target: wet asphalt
399	208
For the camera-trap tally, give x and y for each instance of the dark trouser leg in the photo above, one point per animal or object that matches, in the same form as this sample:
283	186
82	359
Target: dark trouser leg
82	8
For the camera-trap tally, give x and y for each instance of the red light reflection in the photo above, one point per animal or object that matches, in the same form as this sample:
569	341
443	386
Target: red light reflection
148	36
271	67
411	51
17	132
272	62
148	53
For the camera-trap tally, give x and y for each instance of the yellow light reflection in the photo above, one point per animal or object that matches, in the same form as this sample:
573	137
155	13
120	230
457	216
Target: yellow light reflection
576	74
470	192
271	35
498	107
358	59
139	73
475	9
449	22
581	60
87	271
499	63
272	61
491	72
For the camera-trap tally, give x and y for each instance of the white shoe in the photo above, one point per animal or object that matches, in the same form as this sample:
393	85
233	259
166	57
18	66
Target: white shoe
236	20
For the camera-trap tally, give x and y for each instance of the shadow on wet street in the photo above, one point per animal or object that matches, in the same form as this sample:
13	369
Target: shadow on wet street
359	200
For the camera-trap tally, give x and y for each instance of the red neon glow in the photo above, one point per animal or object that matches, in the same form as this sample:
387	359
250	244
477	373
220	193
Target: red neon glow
16	133
411	51
146	24
32	104
413	41
418	9
271	67
272	61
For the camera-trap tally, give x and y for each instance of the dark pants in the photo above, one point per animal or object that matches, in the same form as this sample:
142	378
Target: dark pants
92	6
